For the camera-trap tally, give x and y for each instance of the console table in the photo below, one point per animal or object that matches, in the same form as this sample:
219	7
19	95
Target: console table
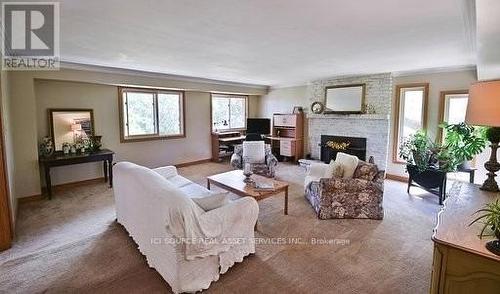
60	159
462	264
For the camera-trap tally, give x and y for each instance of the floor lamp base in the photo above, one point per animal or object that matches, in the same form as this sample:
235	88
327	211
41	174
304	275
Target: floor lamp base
492	166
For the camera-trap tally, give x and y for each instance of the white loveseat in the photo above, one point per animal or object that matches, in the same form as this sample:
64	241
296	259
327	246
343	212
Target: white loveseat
155	208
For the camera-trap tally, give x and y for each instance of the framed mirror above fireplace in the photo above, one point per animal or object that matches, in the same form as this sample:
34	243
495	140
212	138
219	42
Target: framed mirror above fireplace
345	99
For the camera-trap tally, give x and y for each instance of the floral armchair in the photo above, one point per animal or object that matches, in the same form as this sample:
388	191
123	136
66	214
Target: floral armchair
267	168
358	197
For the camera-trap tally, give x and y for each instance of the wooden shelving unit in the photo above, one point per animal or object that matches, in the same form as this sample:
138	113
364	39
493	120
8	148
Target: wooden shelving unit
287	139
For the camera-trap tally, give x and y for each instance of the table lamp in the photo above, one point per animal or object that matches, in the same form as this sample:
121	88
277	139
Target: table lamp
483	109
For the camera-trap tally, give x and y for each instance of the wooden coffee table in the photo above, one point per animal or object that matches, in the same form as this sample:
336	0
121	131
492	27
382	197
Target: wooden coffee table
232	181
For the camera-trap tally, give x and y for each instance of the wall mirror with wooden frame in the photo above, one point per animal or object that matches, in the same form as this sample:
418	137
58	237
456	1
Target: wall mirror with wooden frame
70	125
345	99
410	114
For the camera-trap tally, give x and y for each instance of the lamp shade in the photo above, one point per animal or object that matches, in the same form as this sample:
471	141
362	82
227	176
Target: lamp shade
483	107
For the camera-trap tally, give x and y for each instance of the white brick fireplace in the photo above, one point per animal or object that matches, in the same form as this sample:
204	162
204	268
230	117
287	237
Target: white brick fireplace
373	127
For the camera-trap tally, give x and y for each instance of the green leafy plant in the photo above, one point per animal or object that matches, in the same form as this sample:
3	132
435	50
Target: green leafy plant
461	143
416	149
490	219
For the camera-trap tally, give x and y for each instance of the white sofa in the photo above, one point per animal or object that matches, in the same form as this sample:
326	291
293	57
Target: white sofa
155	208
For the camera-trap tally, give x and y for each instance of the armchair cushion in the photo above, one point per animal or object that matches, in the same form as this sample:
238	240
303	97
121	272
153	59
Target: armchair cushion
254	151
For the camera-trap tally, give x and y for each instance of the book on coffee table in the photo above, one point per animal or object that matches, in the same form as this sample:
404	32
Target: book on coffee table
263	186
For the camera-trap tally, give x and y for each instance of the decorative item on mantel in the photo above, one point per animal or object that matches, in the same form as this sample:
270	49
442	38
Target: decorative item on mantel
490	220
317	107
46	146
483	108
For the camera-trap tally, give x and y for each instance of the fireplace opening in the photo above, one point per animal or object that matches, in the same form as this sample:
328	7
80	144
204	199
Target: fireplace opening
331	145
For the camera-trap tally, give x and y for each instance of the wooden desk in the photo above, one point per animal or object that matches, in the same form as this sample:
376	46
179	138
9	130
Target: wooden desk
60	159
231	139
227	139
462	264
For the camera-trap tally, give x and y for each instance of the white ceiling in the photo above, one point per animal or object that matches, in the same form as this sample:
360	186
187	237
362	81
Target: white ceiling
268	42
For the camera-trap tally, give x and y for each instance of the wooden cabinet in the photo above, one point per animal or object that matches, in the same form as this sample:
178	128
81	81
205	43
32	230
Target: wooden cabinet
461	263
287	148
287	138
285	120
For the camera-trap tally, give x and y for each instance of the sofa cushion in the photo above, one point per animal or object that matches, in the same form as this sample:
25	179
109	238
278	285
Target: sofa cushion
179	181
254	151
194	190
366	171
334	170
348	162
212	201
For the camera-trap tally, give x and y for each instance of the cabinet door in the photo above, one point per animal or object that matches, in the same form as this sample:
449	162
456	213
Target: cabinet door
284	120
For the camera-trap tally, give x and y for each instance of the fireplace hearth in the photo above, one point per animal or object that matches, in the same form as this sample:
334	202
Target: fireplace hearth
331	145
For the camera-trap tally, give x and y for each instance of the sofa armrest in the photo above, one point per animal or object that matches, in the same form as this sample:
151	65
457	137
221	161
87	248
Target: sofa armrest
243	212
317	170
166	171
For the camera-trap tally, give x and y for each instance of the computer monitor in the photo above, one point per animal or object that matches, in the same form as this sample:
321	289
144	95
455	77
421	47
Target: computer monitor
260	126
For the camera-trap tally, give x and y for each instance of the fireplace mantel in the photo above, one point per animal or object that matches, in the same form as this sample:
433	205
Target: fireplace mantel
348	116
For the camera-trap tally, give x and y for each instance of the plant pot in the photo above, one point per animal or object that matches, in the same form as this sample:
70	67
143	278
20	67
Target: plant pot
429	178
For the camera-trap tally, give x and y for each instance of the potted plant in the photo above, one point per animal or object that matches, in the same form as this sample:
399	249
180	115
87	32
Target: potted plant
462	142
490	218
416	150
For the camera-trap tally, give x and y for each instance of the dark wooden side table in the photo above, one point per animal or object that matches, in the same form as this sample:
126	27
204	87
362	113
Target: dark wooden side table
60	159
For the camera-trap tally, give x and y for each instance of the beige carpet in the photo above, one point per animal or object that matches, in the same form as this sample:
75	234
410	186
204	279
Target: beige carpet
72	244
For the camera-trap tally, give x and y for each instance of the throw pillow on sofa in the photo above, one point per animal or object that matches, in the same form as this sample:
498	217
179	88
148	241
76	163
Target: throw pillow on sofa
334	170
211	201
366	171
349	163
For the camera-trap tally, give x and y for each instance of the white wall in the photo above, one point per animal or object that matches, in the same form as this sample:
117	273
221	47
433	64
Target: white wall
8	141
282	100
443	81
92	89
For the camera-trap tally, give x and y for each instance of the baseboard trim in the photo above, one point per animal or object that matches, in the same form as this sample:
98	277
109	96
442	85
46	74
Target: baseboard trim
42	196
193	162
396	178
